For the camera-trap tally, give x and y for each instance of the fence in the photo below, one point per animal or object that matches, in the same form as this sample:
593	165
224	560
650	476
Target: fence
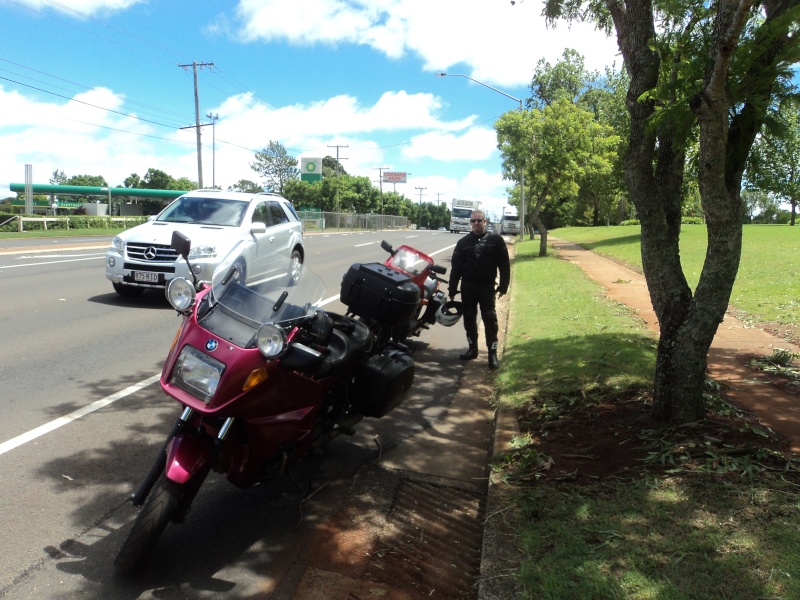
332	221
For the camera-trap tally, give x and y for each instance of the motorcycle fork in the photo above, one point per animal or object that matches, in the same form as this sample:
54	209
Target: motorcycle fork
138	497
194	484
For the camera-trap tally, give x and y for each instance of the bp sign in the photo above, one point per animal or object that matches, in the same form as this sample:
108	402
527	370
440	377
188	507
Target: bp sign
311	169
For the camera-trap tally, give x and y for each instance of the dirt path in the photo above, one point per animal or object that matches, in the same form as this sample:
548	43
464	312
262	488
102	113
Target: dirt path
731	350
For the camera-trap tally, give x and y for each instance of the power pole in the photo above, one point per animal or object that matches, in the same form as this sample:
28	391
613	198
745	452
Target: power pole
338	166
194	66
420	205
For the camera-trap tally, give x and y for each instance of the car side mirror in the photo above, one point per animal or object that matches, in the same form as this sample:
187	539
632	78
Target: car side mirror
258	227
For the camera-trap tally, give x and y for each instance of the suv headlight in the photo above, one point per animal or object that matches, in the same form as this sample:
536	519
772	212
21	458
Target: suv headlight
118	245
202	252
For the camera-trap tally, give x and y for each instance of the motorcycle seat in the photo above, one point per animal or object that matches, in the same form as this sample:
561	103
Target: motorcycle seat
350	341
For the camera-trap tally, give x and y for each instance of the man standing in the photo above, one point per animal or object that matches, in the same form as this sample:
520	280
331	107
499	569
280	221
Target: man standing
477	258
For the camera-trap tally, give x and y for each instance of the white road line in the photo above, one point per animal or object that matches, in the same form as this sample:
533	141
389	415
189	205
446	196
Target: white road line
52	262
77	414
367	244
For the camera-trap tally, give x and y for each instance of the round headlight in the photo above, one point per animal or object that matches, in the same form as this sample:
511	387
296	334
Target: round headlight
271	340
180	294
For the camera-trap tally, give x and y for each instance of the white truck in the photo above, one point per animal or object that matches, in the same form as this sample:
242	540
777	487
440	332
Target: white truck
509	225
459	215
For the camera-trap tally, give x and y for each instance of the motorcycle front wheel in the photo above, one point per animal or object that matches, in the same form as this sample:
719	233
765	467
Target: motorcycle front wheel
156	512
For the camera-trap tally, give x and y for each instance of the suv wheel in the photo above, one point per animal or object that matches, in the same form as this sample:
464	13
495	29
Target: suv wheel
127	290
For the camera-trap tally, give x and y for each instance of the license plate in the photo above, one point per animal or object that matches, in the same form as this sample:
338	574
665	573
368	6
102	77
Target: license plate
145	277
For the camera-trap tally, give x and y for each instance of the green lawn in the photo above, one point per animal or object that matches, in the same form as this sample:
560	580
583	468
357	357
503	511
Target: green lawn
690	516
767	288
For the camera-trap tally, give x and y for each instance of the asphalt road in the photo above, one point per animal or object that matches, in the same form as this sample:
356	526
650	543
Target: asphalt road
83	417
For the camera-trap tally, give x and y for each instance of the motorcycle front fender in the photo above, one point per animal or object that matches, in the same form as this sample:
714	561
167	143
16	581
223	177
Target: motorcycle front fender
186	456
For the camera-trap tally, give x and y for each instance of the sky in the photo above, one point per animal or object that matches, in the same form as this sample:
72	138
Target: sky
106	87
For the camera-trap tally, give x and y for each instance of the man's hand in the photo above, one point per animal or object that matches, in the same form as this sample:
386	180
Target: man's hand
501	292
452	294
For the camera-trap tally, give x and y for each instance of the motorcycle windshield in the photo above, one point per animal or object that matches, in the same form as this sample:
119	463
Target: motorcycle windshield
260	287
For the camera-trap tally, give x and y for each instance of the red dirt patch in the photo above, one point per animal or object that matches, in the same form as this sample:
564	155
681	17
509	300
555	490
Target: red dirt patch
619	439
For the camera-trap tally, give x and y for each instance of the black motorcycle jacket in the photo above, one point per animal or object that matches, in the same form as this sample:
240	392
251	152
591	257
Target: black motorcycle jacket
477	259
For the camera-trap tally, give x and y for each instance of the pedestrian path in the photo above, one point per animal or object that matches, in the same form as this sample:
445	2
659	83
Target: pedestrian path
730	351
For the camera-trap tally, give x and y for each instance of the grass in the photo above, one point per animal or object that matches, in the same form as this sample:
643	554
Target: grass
51	233
649	511
767	288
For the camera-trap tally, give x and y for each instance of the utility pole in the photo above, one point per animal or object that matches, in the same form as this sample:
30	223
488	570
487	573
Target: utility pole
380	171
338	165
213	148
420	205
194	66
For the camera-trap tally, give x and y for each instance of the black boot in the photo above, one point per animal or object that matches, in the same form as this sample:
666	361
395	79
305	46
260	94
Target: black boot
472	352
493	362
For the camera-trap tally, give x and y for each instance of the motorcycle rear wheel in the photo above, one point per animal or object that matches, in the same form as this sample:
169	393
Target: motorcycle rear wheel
157	511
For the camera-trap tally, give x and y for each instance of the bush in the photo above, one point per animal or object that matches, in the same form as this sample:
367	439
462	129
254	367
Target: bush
631	222
693	221
70	222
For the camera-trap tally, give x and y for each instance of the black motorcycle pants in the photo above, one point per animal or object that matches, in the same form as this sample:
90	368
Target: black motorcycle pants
475	295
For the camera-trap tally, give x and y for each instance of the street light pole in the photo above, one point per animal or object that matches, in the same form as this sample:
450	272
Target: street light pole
522	168
213	148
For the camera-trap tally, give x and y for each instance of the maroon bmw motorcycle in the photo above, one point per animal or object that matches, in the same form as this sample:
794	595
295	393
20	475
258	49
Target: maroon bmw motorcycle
263	377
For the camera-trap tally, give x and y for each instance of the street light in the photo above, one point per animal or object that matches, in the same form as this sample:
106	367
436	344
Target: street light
522	169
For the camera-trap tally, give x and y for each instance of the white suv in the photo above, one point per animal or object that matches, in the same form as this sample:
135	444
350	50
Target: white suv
215	221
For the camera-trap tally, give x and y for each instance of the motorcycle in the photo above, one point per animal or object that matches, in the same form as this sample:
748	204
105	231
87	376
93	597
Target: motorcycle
264	377
417	287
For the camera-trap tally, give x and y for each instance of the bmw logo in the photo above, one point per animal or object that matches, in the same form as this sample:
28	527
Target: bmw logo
211	345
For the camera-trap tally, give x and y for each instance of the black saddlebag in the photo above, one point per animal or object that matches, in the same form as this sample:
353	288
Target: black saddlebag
382	382
375	291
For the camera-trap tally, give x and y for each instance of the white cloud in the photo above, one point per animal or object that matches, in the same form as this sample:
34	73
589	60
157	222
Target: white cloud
478	143
493	41
82	7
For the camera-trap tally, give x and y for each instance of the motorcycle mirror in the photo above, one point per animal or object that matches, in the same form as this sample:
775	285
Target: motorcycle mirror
181	243
387	246
439	269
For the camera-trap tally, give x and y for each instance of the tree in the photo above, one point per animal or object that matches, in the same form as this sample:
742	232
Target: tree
276	166
58	178
775	162
87	180
718	68
245	185
559	145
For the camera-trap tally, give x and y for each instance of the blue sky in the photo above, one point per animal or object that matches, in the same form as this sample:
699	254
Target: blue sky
94	87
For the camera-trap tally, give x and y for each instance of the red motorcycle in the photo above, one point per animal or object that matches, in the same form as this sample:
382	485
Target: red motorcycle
264	378
412	280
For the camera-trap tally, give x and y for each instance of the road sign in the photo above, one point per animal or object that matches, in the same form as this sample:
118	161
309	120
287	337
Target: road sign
311	169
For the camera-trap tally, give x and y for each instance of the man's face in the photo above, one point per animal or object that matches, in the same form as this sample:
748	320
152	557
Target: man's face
478	223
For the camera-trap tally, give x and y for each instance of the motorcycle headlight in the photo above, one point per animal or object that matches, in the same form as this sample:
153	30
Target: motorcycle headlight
202	252
197	373
271	340
180	294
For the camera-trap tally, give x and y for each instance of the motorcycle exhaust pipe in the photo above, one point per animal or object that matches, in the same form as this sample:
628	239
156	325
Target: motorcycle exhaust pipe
138	497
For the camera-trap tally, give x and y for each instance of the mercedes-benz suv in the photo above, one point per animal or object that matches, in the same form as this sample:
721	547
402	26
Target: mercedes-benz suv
215	221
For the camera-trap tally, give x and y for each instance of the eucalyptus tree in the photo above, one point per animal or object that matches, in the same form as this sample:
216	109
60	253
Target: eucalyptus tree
717	67
276	166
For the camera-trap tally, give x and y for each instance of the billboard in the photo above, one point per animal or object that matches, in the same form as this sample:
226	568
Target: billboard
394	177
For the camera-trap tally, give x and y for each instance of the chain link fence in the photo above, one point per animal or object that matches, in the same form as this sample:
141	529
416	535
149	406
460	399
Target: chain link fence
333	221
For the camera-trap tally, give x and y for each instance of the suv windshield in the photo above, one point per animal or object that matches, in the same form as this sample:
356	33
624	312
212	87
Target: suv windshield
205	211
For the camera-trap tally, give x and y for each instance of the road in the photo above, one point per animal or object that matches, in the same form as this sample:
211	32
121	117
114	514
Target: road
84	417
